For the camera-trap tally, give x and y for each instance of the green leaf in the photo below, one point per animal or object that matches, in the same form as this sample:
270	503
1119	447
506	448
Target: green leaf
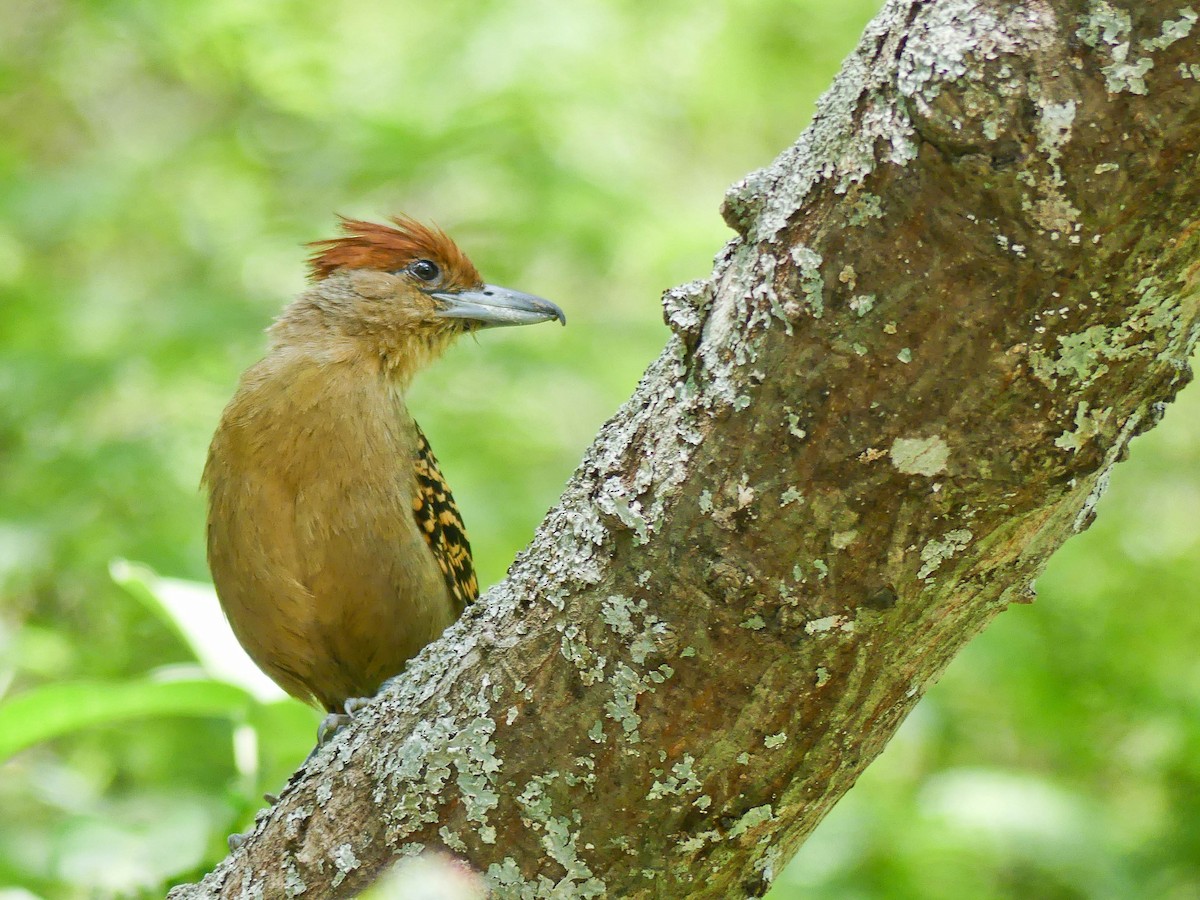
57	709
191	610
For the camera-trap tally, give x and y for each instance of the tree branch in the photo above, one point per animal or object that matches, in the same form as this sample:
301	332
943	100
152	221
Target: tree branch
950	306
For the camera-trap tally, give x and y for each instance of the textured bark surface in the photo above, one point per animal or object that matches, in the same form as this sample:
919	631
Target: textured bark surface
950	307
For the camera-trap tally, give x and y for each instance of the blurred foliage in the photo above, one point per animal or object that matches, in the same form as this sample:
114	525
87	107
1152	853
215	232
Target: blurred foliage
163	163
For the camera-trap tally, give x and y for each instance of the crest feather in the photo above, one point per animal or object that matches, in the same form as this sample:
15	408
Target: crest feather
368	245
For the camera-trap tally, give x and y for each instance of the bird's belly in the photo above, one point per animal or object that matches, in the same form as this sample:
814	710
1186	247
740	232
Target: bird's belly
372	613
329	599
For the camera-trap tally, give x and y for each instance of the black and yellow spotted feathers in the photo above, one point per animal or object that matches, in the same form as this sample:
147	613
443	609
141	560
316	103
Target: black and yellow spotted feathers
439	521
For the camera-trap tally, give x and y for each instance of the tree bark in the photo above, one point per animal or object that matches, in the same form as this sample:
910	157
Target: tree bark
949	307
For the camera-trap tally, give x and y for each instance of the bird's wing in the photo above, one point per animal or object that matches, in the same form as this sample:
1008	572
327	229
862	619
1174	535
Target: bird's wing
438	519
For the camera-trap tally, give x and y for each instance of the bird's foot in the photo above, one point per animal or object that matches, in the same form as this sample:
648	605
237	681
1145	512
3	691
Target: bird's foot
331	725
354	704
335	722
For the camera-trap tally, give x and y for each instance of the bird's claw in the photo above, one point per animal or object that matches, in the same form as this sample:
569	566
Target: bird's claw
335	722
331	725
354	704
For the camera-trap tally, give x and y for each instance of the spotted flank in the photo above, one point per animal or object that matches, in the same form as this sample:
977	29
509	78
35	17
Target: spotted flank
439	521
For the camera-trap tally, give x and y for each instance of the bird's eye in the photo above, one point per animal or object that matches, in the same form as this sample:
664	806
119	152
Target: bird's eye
425	269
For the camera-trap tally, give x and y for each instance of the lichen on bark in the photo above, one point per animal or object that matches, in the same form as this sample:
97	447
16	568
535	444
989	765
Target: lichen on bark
948	309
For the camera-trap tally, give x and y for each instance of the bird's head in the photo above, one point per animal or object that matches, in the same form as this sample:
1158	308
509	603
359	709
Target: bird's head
406	290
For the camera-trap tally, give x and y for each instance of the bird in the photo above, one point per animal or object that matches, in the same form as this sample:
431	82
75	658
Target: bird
335	545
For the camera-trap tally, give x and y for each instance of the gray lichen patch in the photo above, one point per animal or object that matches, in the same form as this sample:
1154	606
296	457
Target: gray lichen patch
1087	510
920	456
1084	356
685	307
622	705
1054	129
560	841
474	757
446	747
944	36
452	840
681	782
617	613
344	861
587	775
1172	30
627	511
535	803
795	429
768	864
735	501
734	328
936	552
828	624
811	282
699	841
1087	426
297	819
574	647
293	882
1079	356
866	206
862	304
1050	208
1108	30
764	292
843	539
751	819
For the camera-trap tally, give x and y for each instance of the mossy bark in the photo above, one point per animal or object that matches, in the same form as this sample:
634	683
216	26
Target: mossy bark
948	309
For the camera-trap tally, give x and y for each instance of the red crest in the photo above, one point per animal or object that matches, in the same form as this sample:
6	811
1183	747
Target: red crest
367	245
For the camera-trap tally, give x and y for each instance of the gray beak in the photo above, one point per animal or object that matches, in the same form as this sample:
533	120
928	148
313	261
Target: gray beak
492	307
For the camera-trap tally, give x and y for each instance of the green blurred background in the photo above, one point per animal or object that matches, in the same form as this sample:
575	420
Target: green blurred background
163	163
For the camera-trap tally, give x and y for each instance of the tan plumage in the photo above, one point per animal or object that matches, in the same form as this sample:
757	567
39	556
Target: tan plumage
334	542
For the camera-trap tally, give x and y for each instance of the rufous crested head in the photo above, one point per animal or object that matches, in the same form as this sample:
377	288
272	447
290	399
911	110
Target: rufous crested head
368	245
